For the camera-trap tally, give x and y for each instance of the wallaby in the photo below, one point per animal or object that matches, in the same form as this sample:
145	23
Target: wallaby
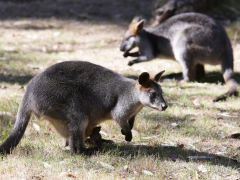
76	96
192	39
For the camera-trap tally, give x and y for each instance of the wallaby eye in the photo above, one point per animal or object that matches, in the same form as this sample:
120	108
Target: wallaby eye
152	95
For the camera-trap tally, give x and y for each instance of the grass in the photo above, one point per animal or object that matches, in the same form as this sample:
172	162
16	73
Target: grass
157	145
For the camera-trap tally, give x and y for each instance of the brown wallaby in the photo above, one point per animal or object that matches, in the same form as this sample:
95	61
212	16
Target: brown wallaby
192	39
76	96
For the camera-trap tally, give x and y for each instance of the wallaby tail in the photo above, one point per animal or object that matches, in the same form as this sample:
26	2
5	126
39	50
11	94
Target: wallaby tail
229	77
23	117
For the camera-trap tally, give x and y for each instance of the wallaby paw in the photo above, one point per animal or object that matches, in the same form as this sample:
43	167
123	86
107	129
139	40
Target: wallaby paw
125	55
130	63
128	137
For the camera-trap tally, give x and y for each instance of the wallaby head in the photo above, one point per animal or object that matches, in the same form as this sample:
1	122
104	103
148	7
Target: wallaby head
131	39
150	91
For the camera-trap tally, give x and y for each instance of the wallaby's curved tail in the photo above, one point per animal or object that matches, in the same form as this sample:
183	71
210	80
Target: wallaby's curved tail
228	74
23	117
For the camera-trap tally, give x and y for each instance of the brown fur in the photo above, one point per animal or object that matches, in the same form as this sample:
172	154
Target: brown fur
133	29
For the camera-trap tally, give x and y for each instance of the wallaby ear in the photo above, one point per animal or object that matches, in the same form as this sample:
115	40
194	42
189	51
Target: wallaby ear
96	129
158	76
144	78
140	25
136	19
136	25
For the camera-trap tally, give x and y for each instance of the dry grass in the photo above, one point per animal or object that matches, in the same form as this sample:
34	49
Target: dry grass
29	45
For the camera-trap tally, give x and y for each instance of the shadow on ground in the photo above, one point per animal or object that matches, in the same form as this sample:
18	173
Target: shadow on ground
90	10
22	80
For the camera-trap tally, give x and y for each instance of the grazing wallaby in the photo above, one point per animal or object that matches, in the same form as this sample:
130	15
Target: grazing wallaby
192	39
76	96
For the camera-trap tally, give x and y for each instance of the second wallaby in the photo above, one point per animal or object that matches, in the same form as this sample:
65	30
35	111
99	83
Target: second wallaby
76	96
192	39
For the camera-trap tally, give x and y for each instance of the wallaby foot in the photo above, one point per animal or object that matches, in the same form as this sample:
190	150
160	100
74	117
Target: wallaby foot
130	63
200	72
128	135
225	96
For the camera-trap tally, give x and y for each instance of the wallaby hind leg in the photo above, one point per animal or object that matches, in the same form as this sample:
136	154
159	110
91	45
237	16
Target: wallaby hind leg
77	135
200	72
188	68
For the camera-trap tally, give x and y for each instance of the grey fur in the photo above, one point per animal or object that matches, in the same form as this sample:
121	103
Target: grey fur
192	39
76	96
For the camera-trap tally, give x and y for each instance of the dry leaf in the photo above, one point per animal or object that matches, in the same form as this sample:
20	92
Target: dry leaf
147	172
38	177
36	127
196	102
193	147
34	66
171	144
158	126
193	118
66	174
19	23
46	165
226	114
175	124
105	165
6	113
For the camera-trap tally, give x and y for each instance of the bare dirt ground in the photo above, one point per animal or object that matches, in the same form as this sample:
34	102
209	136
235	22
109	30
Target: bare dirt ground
188	141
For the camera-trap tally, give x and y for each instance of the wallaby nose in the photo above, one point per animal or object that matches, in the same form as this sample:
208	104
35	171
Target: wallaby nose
164	106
